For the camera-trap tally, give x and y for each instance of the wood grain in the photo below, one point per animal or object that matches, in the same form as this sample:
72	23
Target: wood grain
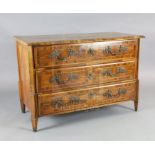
45	56
27	81
66	73
43	40
54	80
85	100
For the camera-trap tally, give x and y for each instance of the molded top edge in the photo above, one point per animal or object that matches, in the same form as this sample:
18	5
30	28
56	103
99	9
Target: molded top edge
37	40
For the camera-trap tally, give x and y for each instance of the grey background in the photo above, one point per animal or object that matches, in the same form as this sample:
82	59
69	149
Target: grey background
117	122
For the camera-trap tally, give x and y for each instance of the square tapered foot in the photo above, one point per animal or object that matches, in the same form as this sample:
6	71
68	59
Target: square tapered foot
34	124
136	105
23	108
34	130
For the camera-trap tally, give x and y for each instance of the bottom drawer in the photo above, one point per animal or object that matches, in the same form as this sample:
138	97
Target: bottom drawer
70	101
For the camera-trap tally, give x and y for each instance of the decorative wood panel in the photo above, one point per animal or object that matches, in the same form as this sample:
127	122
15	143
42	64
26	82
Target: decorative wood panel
85	98
84	54
54	80
116	72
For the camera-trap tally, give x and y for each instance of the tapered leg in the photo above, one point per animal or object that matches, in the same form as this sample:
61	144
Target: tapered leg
34	114
22	107
137	96
34	123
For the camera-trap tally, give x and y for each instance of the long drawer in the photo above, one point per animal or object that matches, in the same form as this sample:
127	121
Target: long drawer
54	80
84	54
69	101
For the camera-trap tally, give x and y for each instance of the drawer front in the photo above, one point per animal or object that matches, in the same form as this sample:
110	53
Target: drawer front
84	54
54	80
85	99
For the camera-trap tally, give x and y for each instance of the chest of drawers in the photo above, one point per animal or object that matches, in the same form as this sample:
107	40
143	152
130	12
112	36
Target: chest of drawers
66	73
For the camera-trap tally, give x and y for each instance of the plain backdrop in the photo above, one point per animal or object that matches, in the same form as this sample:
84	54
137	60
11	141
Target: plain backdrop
117	122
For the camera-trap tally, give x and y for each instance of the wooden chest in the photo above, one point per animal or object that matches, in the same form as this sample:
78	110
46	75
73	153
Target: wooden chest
66	73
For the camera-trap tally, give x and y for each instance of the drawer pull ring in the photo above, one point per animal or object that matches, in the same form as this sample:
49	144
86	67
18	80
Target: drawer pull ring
121	91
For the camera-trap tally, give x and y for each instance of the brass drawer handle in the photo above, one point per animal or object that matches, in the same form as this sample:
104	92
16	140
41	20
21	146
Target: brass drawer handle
91	51
91	94
57	78
72	76
119	70
108	73
56	55
57	103
121	49
108	51
71	52
121	91
74	99
90	76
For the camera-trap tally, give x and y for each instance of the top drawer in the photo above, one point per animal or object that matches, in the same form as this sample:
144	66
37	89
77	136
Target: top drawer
84	54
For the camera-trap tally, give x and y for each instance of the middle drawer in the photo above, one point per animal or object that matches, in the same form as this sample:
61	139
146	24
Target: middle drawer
54	80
